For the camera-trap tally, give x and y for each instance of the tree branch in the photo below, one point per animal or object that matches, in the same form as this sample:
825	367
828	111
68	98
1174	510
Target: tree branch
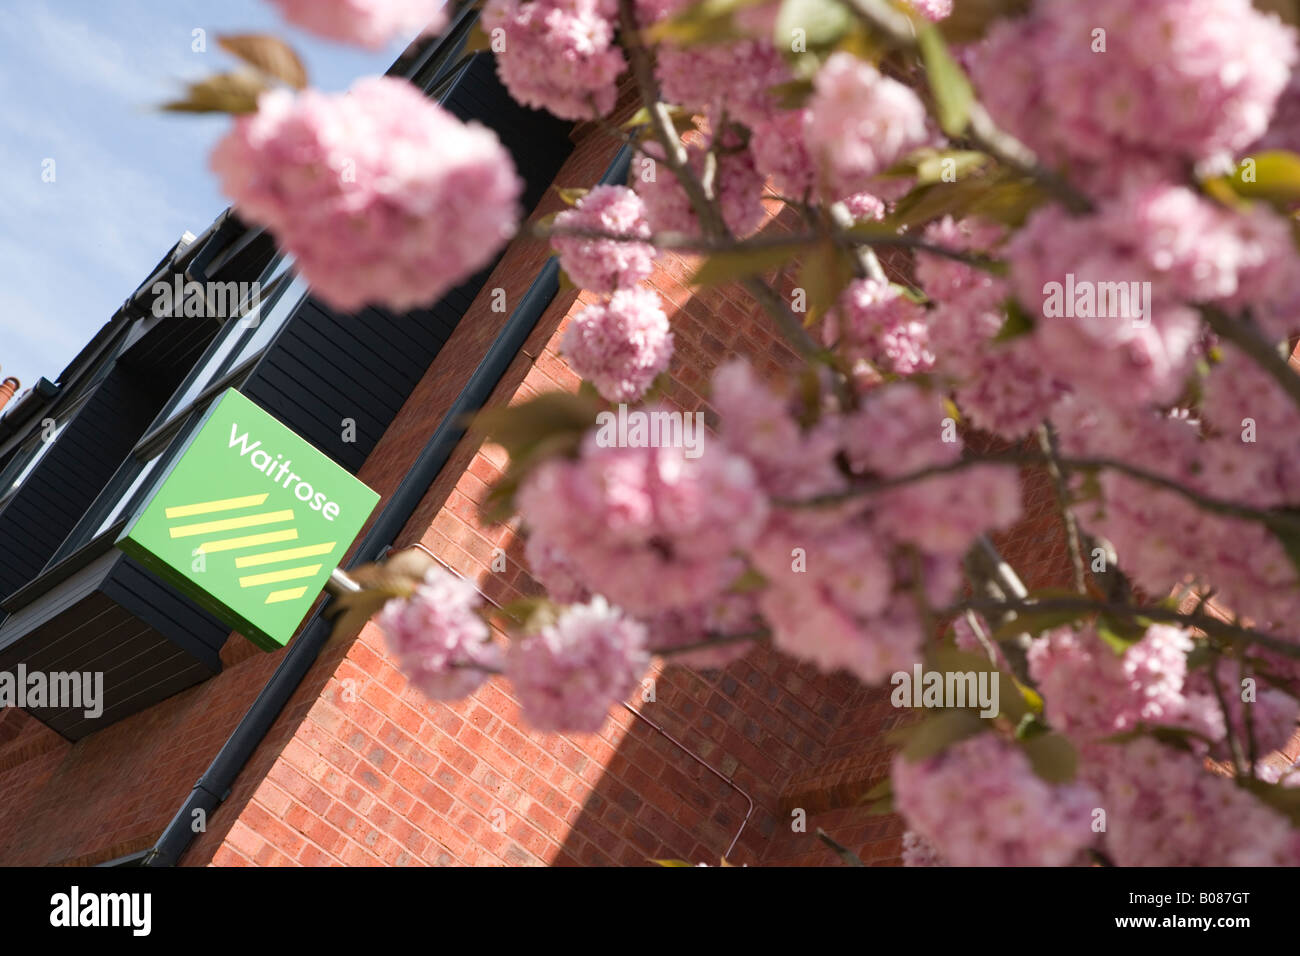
1247	337
1233	633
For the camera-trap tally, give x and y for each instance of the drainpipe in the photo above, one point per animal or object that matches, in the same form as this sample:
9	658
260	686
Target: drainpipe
213	787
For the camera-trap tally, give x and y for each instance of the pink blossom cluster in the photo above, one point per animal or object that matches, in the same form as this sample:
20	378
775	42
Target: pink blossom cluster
1253	423
1114	85
1161	536
978	803
917	852
1164	248
762	426
933	10
1091	692
839	591
369	23
442	644
859	123
737	186
648	528
380	195
877	321
1164	809
739	74
554	572
558	55
1000	386
620	345
569	673
605	265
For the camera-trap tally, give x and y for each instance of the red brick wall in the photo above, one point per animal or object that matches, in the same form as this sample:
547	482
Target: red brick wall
360	769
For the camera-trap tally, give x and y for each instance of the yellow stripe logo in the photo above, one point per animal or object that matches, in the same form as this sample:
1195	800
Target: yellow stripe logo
212	530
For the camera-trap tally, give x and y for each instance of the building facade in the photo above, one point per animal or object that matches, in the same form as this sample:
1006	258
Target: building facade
209	751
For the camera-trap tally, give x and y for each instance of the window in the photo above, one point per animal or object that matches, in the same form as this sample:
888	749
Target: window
28	457
229	360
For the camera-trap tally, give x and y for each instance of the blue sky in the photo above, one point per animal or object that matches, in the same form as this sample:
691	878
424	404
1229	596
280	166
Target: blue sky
80	80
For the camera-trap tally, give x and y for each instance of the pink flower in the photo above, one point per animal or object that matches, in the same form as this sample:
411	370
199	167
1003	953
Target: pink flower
603	265
1091	692
979	804
620	346
558	55
555	572
944	514
916	852
900	429
380	195
1160	247
738	188
761	426
442	645
1046	80
831	596
738	74
649	528
859	123
779	152
1164	809
950	282
877	321
570	673
369	23
932	9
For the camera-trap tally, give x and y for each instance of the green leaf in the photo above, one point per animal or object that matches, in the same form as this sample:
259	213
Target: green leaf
530	613
270	55
956	162
1035	622
1014	701
792	94
522	427
732	264
1019	322
1118	634
843	852
824	273
823	24
750	580
910	294
671	863
708	21
952	90
1273	176
999	197
935	734
548	426
1052	757
569	195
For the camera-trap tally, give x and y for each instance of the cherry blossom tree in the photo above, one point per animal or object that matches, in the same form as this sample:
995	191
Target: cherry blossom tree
1090	210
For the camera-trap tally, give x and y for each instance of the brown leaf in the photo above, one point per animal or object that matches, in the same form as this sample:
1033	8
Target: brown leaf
272	56
221	93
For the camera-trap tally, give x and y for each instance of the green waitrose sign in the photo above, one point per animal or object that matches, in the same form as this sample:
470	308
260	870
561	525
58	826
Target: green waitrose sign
249	521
